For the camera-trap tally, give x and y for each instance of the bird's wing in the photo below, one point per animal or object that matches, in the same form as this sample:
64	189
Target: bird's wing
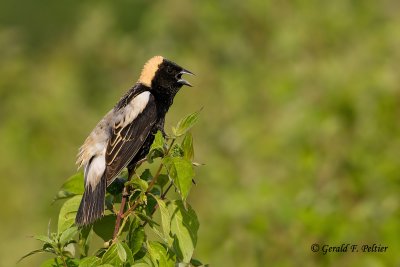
131	128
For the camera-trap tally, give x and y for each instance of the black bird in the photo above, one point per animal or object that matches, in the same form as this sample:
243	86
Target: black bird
124	136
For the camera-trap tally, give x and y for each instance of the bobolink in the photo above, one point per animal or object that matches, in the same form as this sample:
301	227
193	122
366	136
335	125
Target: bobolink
124	136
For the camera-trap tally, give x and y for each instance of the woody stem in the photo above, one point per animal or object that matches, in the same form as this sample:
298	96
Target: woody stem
120	213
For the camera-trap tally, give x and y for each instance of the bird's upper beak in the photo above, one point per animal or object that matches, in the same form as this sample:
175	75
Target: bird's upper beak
183	81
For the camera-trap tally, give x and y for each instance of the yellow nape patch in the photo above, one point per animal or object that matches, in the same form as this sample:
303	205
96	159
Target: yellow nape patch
149	70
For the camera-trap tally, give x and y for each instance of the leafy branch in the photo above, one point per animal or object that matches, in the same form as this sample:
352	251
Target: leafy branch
125	233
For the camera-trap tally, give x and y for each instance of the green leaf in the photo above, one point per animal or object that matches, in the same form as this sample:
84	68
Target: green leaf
146	175
111	256
69	249
159	255
187	146
92	261
144	262
158	142
180	170
147	219
117	254
138	183
67	235
67	215
85	236
162	180
197	263
32	253
185	124
184	227
157	232
121	252
136	236
104	228
157	147
71	187
129	255
44	239
165	218
149	209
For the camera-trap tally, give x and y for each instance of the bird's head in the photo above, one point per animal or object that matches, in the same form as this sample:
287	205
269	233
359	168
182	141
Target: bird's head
161	74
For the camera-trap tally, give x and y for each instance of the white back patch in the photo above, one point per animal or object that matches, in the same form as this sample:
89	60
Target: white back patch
133	109
149	70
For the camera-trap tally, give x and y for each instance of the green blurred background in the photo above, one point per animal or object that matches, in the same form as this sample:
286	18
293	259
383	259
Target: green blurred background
299	132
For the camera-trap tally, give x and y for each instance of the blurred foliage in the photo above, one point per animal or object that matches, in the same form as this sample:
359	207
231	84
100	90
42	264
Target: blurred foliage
299	132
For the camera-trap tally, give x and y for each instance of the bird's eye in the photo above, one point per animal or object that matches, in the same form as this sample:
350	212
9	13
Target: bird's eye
170	70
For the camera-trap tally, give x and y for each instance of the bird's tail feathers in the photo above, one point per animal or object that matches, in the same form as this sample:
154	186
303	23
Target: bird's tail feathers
92	204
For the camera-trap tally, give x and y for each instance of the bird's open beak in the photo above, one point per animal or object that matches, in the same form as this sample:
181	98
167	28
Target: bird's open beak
183	81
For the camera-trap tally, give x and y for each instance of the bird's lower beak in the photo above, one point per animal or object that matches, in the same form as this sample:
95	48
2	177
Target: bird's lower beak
183	81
